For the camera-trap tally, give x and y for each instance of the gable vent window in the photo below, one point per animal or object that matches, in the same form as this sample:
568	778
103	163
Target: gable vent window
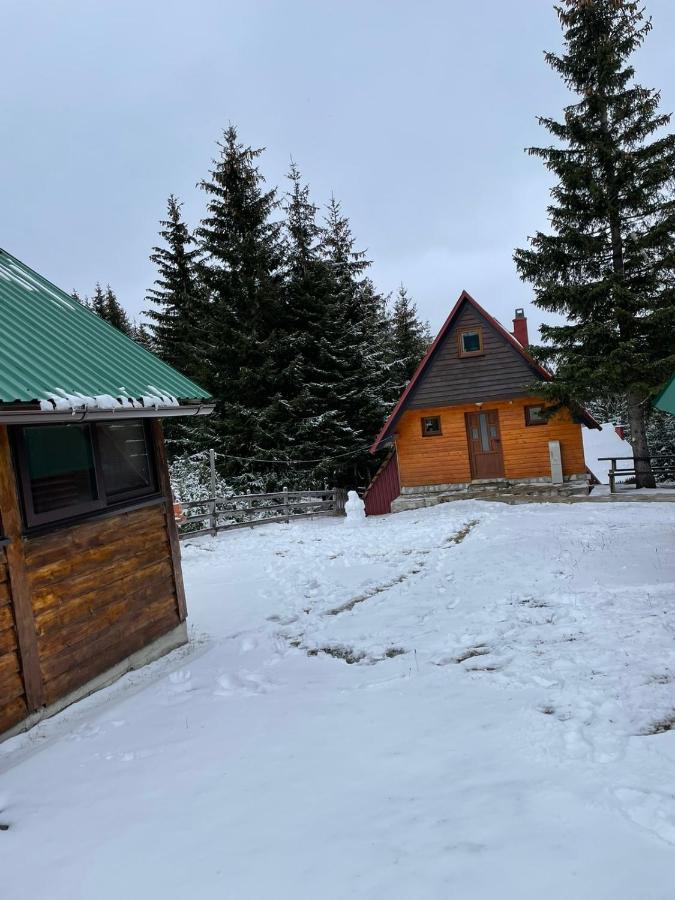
431	425
470	342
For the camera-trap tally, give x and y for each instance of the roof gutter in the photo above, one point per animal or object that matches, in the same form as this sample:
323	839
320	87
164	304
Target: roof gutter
82	414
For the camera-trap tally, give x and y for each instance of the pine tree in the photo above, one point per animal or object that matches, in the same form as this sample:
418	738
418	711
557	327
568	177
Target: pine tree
364	389
97	303
115	314
410	339
106	305
177	323
309	372
143	336
609	264
242	273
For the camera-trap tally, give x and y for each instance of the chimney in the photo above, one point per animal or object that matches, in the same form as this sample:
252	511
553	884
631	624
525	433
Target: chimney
621	431
520	328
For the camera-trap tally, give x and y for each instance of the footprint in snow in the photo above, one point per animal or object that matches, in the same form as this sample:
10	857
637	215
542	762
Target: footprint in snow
651	810
179	687
84	732
243	683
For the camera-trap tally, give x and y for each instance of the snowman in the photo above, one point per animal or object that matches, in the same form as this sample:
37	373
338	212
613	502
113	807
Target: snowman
355	510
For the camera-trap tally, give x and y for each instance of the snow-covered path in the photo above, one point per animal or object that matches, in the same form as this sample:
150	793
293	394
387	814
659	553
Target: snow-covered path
452	702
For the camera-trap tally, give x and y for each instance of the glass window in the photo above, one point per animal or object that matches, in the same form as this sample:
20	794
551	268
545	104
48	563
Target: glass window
470	342
125	461
60	468
534	415
431	425
73	470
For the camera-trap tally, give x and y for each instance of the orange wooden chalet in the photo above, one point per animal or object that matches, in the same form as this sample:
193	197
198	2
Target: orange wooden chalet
470	422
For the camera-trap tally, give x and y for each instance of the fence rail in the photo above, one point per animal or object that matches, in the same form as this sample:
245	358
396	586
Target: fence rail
248	510
660	465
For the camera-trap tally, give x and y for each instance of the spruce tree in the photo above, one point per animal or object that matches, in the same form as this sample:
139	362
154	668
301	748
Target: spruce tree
114	313
608	264
364	390
107	307
410	339
241	271
178	319
97	303
309	371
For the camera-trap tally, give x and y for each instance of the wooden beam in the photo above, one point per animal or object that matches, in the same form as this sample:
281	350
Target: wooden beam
18	578
171	527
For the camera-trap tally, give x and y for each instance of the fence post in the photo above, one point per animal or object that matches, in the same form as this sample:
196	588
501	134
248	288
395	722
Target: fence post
287	509
340	500
212	500
612	477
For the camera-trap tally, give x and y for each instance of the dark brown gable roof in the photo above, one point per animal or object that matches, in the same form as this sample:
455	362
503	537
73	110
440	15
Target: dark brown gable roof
444	379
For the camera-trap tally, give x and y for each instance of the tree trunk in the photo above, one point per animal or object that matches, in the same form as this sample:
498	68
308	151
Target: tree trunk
638	438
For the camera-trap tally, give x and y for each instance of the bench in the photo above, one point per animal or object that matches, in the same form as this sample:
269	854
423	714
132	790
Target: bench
660	465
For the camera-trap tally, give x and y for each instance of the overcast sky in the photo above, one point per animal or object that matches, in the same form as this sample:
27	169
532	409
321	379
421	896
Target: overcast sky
414	113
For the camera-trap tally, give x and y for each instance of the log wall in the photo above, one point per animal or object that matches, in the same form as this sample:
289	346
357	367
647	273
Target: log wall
444	459
78	600
100	590
13	706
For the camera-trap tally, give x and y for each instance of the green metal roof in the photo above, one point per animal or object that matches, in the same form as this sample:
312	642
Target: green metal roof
666	399
53	349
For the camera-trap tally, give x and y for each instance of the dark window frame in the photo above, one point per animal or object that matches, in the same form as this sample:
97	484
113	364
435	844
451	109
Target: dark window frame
87	509
460	342
529	423
426	433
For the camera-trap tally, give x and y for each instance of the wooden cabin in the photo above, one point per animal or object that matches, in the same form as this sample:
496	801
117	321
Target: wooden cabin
90	576
470	422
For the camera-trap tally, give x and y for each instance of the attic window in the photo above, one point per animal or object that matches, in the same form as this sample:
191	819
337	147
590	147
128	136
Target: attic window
431	425
470	342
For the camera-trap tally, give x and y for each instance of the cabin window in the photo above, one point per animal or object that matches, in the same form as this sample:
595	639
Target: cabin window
534	415
431	425
470	342
66	471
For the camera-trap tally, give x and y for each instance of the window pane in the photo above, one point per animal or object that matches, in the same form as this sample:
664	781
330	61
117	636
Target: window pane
431	425
535	415
484	439
125	461
60	466
471	341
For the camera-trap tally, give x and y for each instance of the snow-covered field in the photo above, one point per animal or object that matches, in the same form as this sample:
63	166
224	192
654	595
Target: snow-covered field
447	703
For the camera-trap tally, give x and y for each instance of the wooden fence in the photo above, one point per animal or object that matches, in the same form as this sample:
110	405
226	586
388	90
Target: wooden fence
216	514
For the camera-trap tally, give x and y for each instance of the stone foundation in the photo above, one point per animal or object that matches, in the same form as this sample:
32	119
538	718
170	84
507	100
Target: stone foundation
525	490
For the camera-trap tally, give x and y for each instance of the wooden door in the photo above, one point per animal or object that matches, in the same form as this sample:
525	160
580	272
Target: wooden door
485	446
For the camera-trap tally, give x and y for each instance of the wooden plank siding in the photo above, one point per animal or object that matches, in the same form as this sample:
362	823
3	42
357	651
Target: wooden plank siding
444	458
101	590
500	372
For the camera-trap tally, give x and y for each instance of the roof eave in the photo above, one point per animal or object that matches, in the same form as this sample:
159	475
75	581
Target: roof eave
35	416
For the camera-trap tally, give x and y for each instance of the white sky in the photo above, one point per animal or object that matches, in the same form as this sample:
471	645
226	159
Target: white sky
414	114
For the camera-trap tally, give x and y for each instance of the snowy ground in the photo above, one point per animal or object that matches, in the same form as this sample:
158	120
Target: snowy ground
490	736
